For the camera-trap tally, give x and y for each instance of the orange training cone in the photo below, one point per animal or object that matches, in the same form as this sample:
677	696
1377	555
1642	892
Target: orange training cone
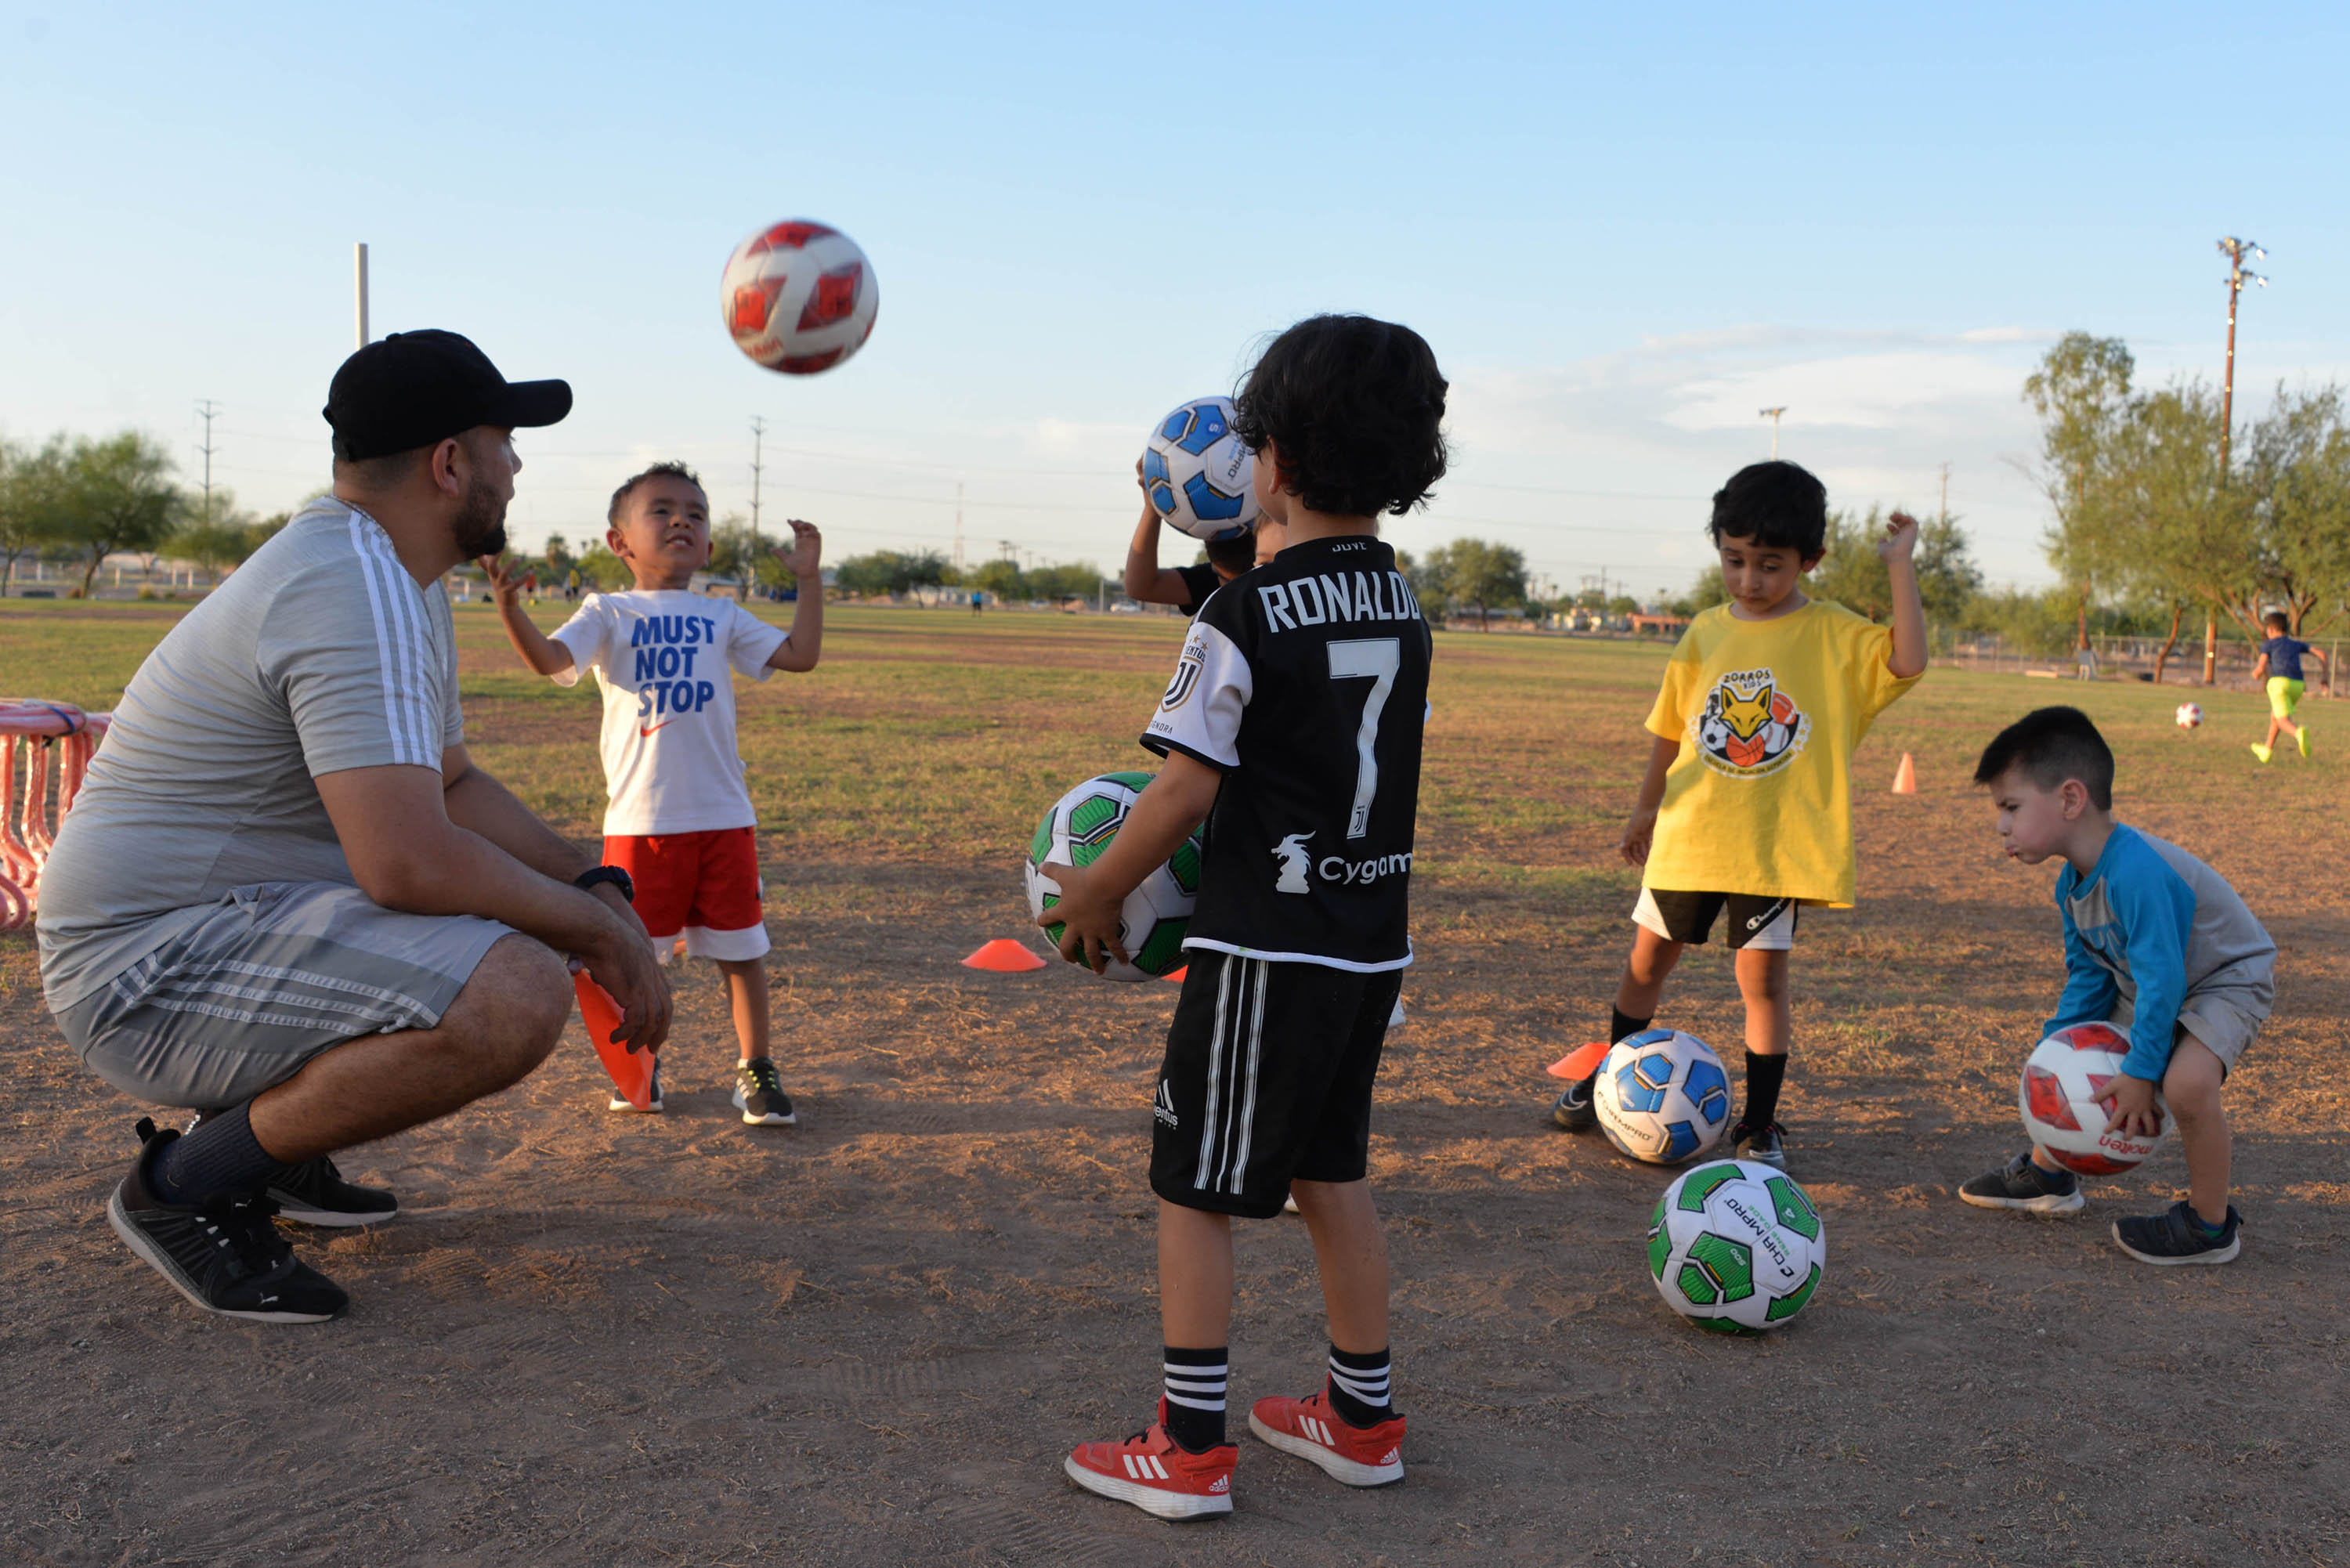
1904	777
631	1071
1004	956
1580	1063
1177	976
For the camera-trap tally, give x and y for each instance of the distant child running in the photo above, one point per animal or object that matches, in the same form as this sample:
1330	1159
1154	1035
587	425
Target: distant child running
2279	665
1747	806
679	820
2156	944
1293	724
1185	588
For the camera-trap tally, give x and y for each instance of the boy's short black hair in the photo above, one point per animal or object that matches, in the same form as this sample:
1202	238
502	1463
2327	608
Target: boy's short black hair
1776	505
2051	745
658	470
2276	621
1235	555
1354	409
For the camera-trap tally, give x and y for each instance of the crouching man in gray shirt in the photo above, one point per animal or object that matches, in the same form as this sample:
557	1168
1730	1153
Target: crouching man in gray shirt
285	897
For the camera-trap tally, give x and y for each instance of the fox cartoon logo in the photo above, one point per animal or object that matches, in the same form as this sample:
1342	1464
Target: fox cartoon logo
1748	727
1293	862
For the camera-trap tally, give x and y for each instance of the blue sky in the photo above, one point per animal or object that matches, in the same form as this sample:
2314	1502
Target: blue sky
1623	235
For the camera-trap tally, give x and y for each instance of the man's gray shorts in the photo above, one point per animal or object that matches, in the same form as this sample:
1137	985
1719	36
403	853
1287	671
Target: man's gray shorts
278	973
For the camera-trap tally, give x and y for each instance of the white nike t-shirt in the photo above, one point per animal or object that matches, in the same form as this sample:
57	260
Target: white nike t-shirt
663	658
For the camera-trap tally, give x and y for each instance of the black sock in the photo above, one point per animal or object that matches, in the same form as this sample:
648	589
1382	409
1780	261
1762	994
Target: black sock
1195	1396
221	1156
1763	1076
1359	1387
1619	1024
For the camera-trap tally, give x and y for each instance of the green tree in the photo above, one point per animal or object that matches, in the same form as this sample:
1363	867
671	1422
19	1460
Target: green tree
2171	534
1853	575
602	569
888	572
1073	580
1478	572
118	496
2081	394
32	495
2297	472
224	539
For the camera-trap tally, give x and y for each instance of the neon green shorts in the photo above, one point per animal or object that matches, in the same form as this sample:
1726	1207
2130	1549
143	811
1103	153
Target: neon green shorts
2283	695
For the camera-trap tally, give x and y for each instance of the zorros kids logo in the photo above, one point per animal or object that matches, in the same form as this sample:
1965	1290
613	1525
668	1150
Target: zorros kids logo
1748	727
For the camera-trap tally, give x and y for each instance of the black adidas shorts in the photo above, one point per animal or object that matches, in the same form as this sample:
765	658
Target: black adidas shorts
1268	1081
1764	924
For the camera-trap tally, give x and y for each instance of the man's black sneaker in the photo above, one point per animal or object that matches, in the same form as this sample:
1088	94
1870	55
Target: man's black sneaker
315	1193
1573	1109
1767	1143
759	1094
224	1254
2177	1236
2021	1184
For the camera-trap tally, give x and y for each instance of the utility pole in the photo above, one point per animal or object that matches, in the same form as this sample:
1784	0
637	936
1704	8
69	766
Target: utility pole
207	409
1945	515
2235	250
359	289
1772	415
958	558
758	465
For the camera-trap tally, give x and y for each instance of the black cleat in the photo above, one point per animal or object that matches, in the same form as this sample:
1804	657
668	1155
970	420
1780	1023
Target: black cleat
224	1254
2021	1184
1767	1143
759	1094
2177	1236
1573	1109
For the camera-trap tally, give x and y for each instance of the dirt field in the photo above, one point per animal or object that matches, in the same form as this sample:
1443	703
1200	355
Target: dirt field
595	1339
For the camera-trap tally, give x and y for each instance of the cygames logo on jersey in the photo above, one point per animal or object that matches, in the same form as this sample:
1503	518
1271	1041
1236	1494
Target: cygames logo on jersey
1297	864
1748	727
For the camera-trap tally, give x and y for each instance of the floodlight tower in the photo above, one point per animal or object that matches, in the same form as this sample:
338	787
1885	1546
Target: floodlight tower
2235	250
1772	415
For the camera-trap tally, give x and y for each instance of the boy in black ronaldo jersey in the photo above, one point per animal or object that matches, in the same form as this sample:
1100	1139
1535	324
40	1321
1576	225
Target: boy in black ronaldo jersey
1293	724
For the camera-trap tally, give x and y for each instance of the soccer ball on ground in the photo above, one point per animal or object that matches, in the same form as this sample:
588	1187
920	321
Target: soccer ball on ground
1199	476
2190	715
798	297
1661	1096
2058	1096
1735	1246
1157	913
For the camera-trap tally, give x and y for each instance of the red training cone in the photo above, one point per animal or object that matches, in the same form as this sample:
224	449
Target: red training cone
1004	956
1580	1063
1904	777
631	1071
1177	977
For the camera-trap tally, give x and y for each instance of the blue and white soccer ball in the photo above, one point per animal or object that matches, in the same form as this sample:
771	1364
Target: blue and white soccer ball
1199	476
1662	1096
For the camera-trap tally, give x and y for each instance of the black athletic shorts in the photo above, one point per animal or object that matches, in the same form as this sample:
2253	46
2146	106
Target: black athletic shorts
1268	1081
1764	924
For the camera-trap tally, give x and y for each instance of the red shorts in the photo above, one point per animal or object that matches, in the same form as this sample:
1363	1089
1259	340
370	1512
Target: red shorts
701	885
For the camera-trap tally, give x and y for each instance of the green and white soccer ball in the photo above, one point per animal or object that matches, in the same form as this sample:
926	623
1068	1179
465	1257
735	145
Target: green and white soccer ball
1735	1246
1157	913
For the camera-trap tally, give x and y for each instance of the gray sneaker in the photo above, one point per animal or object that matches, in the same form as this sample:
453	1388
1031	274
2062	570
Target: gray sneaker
1767	1144
2021	1184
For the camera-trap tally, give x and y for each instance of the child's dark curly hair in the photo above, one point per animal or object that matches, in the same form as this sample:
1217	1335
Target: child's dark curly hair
658	470
1354	409
1772	505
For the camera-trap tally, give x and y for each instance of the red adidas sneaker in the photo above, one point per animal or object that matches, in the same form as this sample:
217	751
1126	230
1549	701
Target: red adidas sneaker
1158	1475
1359	1456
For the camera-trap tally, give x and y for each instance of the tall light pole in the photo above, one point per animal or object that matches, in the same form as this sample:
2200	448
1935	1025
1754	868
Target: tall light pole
2235	250
360	289
207	411
1772	415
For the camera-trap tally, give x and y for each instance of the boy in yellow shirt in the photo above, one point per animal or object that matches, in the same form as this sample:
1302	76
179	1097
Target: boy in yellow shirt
1747	804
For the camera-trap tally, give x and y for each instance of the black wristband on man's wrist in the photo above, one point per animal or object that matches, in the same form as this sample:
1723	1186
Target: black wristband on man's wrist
595	877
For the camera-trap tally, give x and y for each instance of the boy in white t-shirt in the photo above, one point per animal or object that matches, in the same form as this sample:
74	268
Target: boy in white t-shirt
679	820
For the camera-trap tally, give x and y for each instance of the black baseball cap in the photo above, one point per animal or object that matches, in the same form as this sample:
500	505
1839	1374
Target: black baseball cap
413	389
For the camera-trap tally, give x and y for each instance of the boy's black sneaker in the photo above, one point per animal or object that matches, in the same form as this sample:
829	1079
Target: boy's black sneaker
759	1094
1573	1109
315	1193
2021	1184
224	1254
1767	1143
2177	1236
653	1105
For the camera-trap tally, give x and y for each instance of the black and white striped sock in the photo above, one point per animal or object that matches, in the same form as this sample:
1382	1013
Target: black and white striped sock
1359	1387
1195	1396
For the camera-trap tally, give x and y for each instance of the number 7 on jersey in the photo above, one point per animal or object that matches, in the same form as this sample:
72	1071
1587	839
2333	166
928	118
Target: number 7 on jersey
1374	660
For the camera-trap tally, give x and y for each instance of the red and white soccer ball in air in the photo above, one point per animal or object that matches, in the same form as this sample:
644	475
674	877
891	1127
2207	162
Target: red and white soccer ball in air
2190	715
2063	1084
799	297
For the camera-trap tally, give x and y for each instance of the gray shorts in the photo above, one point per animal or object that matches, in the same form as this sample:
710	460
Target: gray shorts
278	973
2225	1018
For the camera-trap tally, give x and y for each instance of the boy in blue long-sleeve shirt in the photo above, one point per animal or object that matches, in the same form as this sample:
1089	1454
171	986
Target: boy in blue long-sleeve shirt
2156	944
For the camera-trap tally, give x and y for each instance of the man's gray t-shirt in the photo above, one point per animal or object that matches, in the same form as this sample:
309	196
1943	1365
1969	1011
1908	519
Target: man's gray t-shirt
318	654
